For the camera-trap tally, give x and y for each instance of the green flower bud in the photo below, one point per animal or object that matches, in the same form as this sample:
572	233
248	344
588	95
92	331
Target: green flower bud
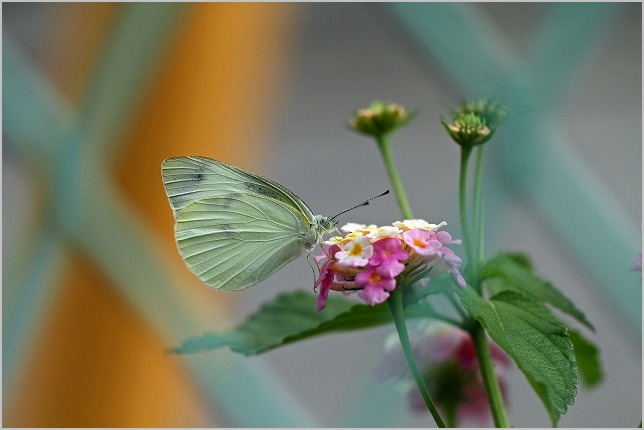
475	121
490	110
380	118
468	129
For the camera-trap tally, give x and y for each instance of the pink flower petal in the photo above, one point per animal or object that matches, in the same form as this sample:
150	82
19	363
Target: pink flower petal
373	296
387	256
422	241
375	286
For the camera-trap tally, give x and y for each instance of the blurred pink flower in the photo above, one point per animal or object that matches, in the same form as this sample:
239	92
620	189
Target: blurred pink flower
447	359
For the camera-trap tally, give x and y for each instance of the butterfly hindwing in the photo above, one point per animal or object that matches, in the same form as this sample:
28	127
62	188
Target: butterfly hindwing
233	241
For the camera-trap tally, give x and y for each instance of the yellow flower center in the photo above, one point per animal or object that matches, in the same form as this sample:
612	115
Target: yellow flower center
356	250
419	243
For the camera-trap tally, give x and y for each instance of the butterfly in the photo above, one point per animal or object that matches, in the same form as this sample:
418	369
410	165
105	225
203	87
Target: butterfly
235	228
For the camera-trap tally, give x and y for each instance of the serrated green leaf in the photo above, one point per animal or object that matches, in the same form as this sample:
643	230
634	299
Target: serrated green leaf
513	271
288	315
291	317
536	340
587	356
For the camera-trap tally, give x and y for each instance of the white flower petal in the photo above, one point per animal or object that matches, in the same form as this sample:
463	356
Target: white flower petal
351	227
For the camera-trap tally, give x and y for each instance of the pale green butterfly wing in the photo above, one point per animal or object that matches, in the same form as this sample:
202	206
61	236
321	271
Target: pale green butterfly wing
188	179
233	241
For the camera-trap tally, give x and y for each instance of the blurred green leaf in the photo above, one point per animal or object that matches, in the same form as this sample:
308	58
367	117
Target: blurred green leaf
536	340
588	362
513	271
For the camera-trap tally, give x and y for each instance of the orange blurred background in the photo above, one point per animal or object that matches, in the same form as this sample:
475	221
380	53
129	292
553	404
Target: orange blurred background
97	362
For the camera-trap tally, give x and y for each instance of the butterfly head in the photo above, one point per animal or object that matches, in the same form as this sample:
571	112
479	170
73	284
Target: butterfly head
319	225
324	223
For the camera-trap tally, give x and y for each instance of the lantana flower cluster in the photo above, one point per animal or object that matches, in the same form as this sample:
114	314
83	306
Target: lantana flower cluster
372	260
447	361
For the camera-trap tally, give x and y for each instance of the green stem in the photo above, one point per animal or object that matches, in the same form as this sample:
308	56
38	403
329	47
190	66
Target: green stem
478	205
451	416
483	353
490	380
385	151
465	228
396	308
458	308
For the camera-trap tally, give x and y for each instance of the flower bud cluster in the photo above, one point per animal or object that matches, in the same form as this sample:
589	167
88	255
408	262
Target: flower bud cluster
374	260
468	130
475	121
380	118
489	110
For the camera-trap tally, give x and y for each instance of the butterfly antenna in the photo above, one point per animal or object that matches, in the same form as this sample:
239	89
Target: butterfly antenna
365	203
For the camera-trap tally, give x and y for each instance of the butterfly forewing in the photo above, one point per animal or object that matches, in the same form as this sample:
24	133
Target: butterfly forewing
233	241
188	179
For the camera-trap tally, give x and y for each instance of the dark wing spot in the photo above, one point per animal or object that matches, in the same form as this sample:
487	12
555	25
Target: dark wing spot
220	203
197	175
262	190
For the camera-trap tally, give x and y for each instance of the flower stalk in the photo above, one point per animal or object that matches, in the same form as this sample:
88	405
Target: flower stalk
474	257
379	120
478	205
396	307
473	124
490	380
399	191
462	199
